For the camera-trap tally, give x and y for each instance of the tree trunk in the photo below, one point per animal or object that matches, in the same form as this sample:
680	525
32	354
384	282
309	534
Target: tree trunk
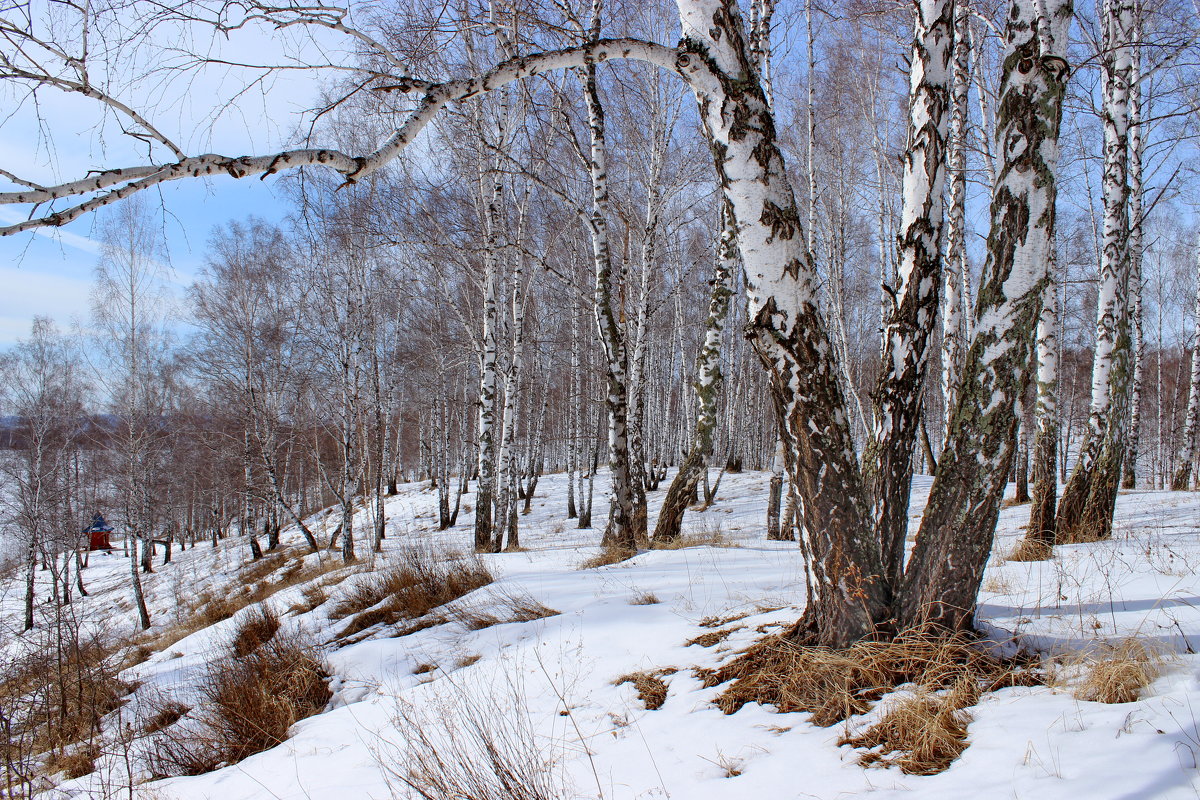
775	495
888	461
709	381
848	598
1086	508
1182	478
1136	191
620	531
954	342
942	579
1045	442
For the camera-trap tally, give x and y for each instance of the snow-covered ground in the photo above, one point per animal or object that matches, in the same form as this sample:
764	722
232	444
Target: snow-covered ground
550	682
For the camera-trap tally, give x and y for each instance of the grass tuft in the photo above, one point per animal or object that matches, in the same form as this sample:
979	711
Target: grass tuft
255	630
1121	673
417	583
607	556
249	704
922	733
651	688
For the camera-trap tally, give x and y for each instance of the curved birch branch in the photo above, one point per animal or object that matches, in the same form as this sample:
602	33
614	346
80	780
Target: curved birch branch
129	180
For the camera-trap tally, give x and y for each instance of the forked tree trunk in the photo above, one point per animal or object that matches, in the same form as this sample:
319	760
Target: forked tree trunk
848	599
1088	501
943	577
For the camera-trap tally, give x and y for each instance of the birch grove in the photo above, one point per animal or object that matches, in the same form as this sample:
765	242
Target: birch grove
617	242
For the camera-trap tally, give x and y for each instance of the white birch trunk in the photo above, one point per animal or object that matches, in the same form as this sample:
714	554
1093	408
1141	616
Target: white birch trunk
1182	478
943	576
954	340
898	411
1086	508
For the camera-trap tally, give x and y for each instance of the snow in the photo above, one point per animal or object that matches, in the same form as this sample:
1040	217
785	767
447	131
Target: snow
552	680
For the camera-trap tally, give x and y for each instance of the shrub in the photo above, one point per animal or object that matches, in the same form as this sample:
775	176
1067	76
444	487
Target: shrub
56	686
250	703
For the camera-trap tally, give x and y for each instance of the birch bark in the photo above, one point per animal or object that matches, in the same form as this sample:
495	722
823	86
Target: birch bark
899	395
709	381
943	576
1182	478
1086	508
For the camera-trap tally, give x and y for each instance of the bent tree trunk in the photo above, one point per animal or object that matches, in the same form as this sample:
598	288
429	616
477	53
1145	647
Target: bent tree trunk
942	579
848	599
707	386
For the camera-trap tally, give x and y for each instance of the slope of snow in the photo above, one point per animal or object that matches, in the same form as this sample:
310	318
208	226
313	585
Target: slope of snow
550	682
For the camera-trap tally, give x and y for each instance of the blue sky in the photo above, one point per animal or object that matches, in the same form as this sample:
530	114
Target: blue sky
63	135
49	273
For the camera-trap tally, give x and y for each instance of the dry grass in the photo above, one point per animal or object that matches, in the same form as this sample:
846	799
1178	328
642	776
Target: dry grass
651	688
922	733
607	556
473	742
312	596
74	763
644	599
717	622
834	685
1030	550
249	704
416	584
1120	674
56	687
713	537
467	660
168	713
259	625
501	608
712	637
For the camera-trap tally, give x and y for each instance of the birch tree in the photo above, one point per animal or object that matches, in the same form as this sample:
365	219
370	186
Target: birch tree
1086	508
708	385
1182	478
129	313
852	595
